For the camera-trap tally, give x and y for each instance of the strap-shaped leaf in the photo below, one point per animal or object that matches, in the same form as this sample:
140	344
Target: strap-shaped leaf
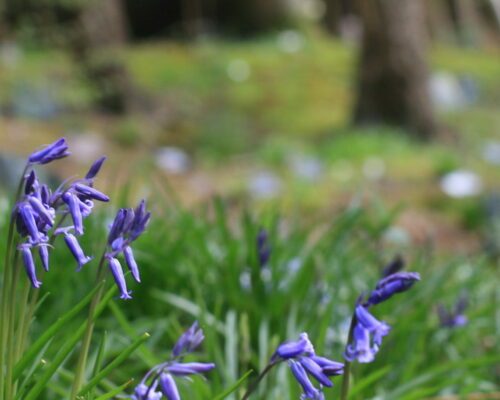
34	349
116	391
66	350
233	387
113	364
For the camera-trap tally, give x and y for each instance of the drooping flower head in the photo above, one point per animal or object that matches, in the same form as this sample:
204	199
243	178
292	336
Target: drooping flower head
392	284
127	226
36	210
54	151
188	341
163	375
303	361
367	332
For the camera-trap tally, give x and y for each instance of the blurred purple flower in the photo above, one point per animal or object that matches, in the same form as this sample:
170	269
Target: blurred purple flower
263	247
163	374
455	317
396	265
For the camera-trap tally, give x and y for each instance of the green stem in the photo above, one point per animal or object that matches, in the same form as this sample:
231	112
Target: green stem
6	285
347	365
84	350
4	307
256	382
9	387
21	322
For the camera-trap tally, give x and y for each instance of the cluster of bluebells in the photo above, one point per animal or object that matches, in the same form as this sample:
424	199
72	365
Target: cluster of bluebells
368	331
303	361
159	382
456	316
127	226
36	210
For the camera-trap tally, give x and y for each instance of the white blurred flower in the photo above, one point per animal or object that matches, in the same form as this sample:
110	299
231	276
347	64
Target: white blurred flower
304	167
374	168
238	70
264	184
461	183
491	152
172	159
90	146
290	41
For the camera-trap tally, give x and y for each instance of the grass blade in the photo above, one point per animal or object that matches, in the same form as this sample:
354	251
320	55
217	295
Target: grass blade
113	364
34	349
233	387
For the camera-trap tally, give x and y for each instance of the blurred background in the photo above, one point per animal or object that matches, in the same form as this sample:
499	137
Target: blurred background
303	105
334	136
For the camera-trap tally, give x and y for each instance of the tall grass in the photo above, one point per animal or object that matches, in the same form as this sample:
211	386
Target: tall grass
202	264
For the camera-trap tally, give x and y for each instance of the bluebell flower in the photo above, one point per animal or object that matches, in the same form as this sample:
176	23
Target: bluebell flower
294	349
315	371
392	284
127	226
362	349
95	168
169	387
76	250
144	392
367	335
163	375
117	272
298	371
188	341
54	151
367	332
303	361
377	328
29	264
329	367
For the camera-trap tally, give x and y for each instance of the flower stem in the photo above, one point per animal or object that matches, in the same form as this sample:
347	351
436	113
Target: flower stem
347	365
6	303
9	387
256	382
84	350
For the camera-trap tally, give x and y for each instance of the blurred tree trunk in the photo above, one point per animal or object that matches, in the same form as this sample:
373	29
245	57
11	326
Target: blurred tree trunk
439	21
192	15
335	11
98	29
466	21
250	17
392	74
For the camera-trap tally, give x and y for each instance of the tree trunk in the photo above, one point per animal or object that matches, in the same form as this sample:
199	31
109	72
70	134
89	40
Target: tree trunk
392	75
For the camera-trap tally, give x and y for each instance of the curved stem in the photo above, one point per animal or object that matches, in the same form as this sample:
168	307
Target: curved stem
9	387
8	278
84	350
347	365
256	382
